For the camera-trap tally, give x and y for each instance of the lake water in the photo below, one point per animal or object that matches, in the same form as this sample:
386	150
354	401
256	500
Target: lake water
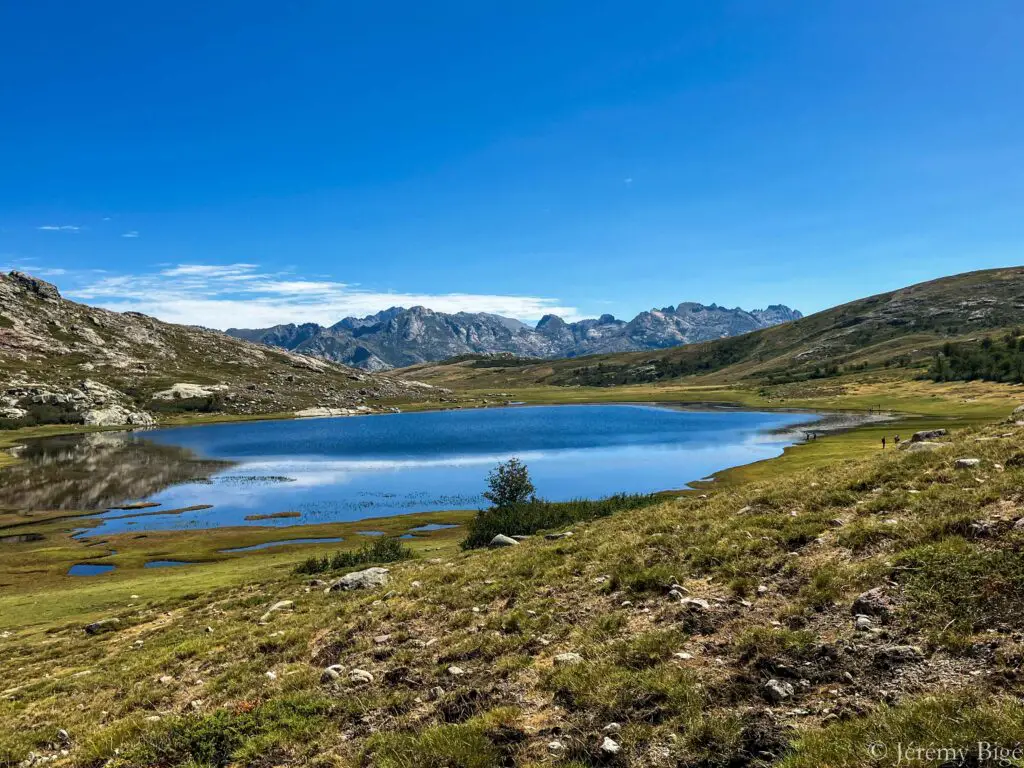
346	469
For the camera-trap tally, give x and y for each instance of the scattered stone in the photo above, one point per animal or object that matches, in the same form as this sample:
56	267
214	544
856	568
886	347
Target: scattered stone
966	463
902	654
557	536
331	673
456	671
863	624
436	692
682	655
612	728
101	626
555	746
63	736
381	639
567	659
270	675
610	746
695	604
360	677
502	540
778	690
874	602
922	446
367	579
762	589
1019	525
927	434
282	605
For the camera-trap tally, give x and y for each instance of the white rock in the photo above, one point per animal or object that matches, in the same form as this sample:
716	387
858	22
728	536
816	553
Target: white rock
367	579
503	541
360	676
610	746
567	659
778	690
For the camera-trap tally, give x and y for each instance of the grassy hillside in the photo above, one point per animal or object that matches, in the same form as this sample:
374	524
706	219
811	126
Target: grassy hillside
716	629
891	331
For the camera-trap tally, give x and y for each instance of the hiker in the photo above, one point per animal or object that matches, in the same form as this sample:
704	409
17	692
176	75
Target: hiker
883	443
896	440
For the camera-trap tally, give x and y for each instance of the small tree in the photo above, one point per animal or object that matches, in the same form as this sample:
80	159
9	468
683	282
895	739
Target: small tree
509	484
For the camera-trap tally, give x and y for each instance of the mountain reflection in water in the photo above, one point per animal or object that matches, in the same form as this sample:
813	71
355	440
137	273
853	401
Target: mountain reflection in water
97	471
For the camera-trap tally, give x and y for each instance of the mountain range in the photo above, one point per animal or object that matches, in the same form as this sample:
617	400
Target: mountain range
400	337
898	330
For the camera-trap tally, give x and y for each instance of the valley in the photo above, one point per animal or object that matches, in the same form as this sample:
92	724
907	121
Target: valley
785	612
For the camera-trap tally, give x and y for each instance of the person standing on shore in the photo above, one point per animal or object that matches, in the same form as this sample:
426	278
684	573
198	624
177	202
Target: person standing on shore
883	443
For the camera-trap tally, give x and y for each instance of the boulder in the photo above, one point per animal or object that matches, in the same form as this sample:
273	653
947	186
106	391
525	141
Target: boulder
874	602
502	540
116	416
927	434
331	673
966	463
101	626
778	690
360	677
367	579
186	391
922	446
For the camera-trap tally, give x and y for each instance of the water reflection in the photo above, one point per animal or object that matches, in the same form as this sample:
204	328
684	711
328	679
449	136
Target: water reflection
97	471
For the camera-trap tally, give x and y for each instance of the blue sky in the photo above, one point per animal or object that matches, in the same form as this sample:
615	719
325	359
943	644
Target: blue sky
244	163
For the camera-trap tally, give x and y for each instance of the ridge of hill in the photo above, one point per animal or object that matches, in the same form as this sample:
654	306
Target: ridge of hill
900	329
64	362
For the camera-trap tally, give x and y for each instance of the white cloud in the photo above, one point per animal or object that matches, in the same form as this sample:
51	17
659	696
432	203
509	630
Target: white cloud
242	296
133	233
59	228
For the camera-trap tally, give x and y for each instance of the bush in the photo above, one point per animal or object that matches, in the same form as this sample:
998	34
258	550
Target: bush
386	550
509	484
538	515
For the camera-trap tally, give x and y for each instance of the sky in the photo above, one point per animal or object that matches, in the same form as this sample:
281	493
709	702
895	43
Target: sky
249	163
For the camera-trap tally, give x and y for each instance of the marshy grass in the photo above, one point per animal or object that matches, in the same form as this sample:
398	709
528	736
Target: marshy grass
383	550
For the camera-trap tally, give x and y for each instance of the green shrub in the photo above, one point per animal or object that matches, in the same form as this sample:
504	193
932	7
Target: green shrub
538	515
385	550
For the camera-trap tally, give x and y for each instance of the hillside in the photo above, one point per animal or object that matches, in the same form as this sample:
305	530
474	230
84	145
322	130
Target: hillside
62	362
400	337
790	622
890	331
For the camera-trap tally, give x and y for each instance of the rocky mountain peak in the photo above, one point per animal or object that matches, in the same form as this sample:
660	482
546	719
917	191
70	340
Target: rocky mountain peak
31	284
400	337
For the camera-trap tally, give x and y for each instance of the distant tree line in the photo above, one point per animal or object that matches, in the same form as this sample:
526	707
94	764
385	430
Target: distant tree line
991	359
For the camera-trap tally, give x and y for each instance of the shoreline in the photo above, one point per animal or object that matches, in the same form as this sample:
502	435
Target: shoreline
822	422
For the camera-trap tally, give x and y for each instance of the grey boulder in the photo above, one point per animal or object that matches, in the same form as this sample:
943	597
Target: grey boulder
367	579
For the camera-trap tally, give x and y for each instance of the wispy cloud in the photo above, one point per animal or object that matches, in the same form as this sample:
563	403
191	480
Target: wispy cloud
59	228
242	295
133	233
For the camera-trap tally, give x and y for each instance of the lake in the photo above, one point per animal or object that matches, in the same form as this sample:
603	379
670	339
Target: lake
346	469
